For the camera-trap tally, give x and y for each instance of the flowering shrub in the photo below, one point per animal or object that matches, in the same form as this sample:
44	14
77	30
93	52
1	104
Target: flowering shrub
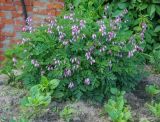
144	9
88	57
92	8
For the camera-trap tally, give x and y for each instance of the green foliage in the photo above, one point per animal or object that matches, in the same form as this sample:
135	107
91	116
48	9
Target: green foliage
7	69
154	108
92	8
152	90
116	108
155	59
136	8
67	113
88	56
47	86
35	103
36	98
39	97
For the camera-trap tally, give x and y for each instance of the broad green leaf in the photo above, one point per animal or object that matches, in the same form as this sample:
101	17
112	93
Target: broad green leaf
54	83
114	91
143	6
122	5
58	94
127	114
123	0
77	2
158	9
117	13
44	80
137	28
155	1
34	90
151	10
157	29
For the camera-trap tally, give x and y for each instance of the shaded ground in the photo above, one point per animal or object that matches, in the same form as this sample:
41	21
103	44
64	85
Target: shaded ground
84	113
138	98
9	102
9	105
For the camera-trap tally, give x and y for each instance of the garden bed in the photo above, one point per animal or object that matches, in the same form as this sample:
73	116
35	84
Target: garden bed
85	111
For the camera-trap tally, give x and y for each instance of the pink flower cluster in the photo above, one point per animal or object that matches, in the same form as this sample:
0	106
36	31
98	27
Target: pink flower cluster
67	73
35	63
75	62
87	81
102	28
29	26
89	57
144	26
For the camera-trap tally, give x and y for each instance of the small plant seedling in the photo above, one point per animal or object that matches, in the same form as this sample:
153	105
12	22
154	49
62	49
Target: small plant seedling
116	108
39	97
67	113
154	108
55	109
152	90
35	102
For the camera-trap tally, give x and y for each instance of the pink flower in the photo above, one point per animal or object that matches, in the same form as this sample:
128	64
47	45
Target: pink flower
75	30
82	23
24	29
14	60
130	54
67	72
111	35
94	36
87	81
71	85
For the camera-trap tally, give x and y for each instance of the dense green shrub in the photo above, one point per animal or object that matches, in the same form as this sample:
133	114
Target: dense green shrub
154	59
87	56
137	8
92	8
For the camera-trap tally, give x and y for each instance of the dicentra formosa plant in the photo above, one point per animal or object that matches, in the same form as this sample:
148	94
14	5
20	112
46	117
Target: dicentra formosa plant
88	56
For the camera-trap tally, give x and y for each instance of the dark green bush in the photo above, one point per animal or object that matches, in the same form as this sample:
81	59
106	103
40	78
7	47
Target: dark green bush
88	57
136	8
